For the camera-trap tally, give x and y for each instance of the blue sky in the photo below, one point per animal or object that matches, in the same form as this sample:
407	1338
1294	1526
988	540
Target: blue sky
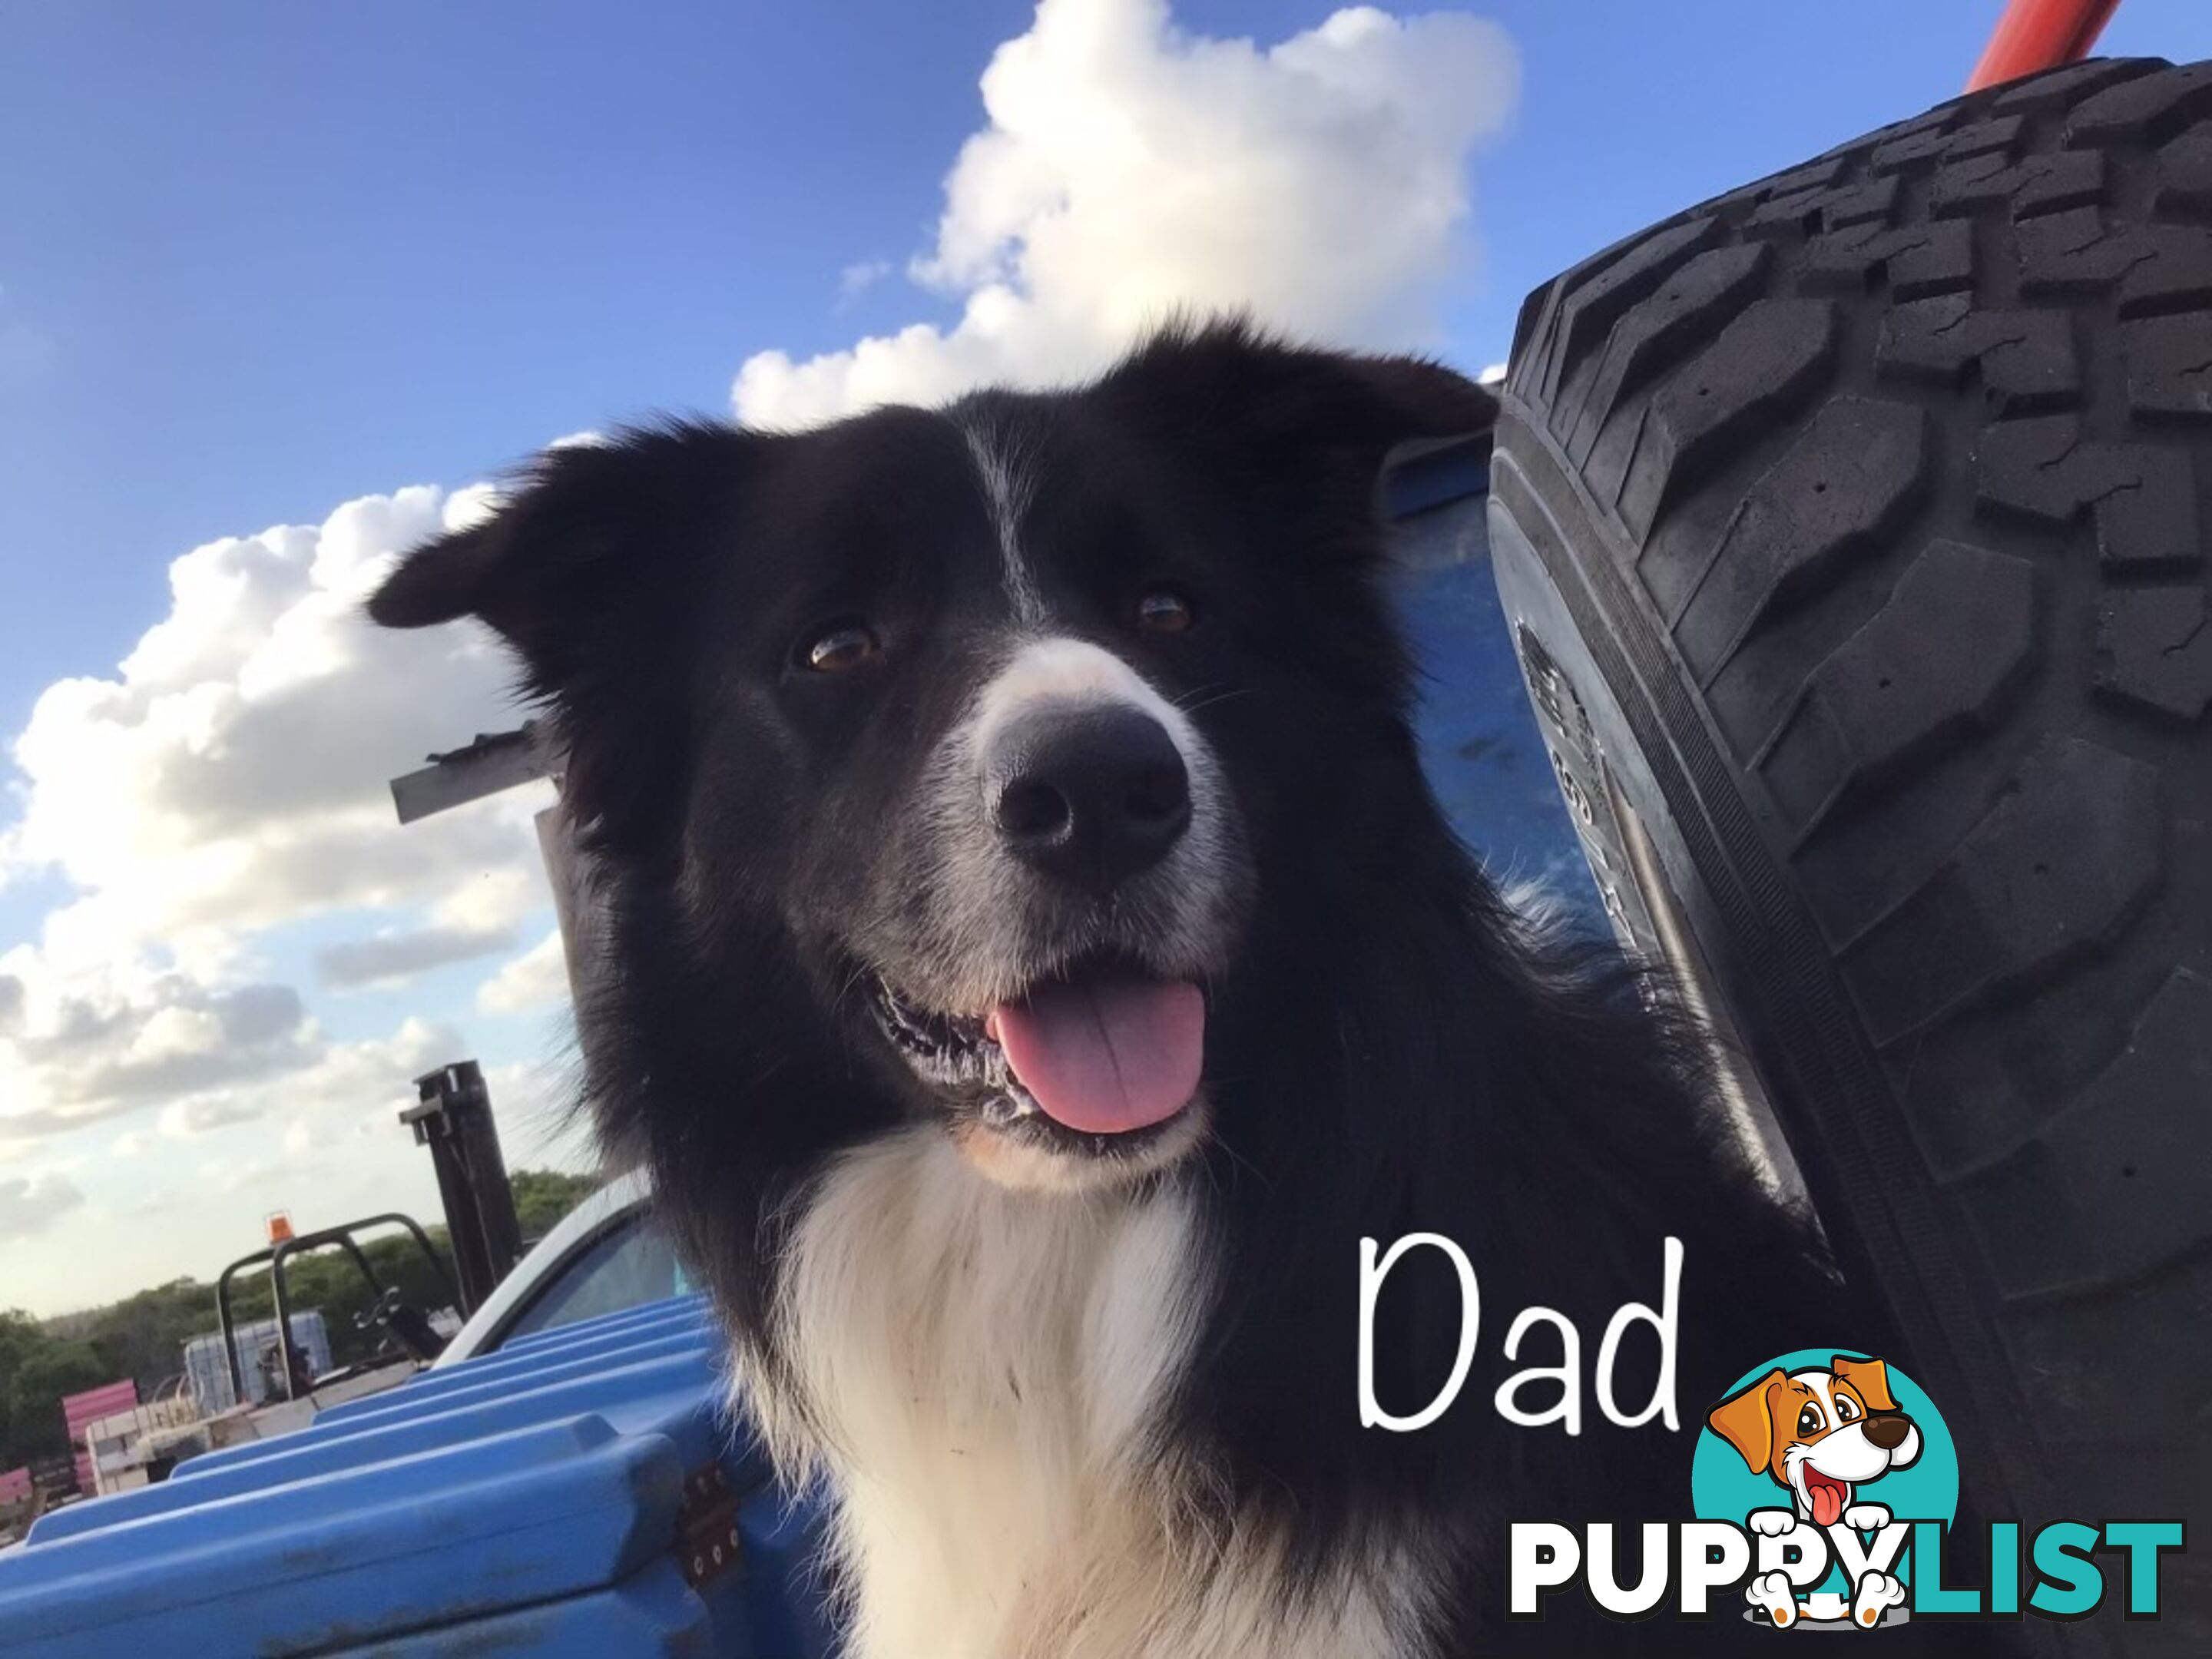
259	260
280	256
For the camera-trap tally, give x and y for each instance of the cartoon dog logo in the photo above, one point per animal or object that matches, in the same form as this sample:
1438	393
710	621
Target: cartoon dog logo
1820	1436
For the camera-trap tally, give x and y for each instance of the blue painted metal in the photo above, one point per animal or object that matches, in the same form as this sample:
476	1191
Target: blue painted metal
1486	757
523	1503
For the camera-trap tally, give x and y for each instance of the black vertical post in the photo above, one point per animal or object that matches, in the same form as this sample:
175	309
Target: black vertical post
453	1117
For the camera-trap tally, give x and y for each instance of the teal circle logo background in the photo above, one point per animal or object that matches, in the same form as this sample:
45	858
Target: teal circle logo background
1723	1489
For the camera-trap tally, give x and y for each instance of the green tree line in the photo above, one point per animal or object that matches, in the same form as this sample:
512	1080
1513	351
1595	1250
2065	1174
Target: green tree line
143	1336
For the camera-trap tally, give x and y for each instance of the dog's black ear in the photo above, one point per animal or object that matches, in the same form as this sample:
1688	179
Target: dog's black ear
1243	398
438	581
590	527
590	569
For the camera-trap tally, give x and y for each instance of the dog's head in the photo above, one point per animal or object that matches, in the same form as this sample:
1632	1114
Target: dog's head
991	721
1820	1434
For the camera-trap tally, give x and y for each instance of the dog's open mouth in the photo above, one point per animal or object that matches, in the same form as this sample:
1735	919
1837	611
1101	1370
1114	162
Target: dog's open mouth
1103	1051
1825	1496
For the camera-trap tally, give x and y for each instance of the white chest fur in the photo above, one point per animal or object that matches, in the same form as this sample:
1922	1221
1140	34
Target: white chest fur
982	1371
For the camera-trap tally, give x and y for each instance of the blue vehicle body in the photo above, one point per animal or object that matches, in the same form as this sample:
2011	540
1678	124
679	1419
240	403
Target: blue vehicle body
531	1501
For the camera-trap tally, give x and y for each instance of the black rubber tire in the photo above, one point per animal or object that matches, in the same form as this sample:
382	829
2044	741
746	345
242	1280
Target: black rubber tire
1851	526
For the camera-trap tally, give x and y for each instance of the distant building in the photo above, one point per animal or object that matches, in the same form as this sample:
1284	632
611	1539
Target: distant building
79	1410
138	1445
19	1500
15	1504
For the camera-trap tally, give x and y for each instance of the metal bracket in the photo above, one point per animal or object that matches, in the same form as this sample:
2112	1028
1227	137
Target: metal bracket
707	1544
488	765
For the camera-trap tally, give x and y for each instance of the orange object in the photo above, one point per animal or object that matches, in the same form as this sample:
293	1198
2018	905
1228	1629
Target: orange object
2040	34
280	1226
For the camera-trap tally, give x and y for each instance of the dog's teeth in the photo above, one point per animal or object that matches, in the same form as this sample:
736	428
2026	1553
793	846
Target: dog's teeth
957	1052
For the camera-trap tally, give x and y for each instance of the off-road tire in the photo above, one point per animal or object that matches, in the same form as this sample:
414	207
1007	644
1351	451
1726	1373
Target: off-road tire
1852	530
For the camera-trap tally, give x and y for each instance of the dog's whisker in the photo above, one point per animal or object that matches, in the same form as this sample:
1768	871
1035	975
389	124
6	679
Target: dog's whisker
1200	701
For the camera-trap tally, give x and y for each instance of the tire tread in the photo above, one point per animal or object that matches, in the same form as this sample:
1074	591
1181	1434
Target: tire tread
1906	457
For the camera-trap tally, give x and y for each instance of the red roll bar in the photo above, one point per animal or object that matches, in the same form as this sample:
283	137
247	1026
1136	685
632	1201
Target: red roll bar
2040	34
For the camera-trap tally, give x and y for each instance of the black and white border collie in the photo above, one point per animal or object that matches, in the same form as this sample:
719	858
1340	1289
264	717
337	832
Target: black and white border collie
1034	963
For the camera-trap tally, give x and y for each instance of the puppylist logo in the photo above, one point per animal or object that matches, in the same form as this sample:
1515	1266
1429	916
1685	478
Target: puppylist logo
1838	1458
1824	1485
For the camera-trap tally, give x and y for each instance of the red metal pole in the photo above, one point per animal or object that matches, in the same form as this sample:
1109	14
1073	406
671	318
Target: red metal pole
2040	34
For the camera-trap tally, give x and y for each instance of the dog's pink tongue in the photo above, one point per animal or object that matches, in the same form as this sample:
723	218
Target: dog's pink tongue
1106	1059
1828	1502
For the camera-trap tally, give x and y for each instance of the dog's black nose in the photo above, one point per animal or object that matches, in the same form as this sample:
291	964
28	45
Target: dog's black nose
1887	1430
1090	796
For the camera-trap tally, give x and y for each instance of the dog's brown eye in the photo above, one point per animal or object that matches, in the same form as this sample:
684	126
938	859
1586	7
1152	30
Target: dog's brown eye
840	648
1163	611
1845	1410
1809	1420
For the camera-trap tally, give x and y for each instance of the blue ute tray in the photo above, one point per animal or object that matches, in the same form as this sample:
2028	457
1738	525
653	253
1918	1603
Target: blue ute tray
565	1495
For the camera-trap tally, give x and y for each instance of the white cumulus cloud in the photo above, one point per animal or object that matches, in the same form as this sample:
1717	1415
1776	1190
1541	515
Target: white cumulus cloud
1130	168
229	775
537	978
481	918
225	780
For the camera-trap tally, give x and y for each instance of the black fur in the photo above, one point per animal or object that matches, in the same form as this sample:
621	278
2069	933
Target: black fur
1389	1052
